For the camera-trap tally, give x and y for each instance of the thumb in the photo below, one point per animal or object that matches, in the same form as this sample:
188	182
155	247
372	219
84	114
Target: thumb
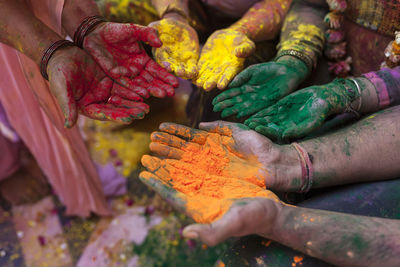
220	127
148	35
210	234
245	49
64	97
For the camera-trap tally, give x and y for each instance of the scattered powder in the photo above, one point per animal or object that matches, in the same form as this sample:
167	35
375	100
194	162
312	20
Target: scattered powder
297	260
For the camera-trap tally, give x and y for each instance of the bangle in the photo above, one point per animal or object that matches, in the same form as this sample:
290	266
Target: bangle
86	26
359	93
294	53
49	52
306	168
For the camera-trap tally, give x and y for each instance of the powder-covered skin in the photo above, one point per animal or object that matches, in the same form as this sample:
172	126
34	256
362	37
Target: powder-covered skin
305	110
180	50
260	86
208	178
117	49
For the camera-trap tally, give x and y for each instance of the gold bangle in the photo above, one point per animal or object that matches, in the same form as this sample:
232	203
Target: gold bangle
294	53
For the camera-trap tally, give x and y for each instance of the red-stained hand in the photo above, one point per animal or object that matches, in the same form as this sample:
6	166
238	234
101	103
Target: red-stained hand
117	49
80	85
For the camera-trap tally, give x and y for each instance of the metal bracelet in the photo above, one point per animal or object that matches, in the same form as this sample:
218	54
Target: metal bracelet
86	26
359	93
48	53
305	58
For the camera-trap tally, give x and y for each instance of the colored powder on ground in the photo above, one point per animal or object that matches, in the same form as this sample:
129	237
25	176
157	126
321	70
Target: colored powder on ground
297	260
212	176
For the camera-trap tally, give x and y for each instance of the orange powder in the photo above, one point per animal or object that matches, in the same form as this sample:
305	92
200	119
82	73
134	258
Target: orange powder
213	175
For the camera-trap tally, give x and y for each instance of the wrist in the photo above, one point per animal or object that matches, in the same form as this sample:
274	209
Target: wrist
272	218
75	12
287	175
301	70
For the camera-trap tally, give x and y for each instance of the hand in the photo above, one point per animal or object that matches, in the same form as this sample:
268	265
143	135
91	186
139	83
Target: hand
260	86
303	111
234	143
180	50
117	49
222	57
197	201
79	84
246	216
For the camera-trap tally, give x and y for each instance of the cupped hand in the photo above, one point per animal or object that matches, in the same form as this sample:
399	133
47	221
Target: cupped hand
246	216
80	86
222	57
242	148
180	50
197	201
300	113
117	49
258	87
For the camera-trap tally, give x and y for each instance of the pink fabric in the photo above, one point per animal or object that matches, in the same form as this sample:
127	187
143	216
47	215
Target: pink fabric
380	85
60	152
234	8
9	161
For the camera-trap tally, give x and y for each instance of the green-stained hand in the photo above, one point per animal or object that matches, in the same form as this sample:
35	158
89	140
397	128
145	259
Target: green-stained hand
222	57
260	86
304	111
180	50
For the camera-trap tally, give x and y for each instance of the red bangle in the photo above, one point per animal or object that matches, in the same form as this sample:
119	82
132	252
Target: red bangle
49	52
86	26
306	168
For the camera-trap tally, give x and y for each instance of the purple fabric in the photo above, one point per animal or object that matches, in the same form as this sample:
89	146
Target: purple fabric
114	184
387	84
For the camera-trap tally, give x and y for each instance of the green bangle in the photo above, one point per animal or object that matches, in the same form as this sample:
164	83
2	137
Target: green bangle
294	53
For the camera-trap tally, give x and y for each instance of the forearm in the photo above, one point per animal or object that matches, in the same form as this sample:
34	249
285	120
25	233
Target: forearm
179	8
75	11
303	29
337	238
365	151
20	29
263	21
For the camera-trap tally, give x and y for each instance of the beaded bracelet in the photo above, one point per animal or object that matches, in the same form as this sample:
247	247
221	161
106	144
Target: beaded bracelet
86	26
306	168
294	53
48	53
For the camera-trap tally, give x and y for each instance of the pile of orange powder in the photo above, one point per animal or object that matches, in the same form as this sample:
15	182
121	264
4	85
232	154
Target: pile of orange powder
208	176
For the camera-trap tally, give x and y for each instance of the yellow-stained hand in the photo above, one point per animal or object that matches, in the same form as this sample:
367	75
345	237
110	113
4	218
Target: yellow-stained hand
222	58
180	50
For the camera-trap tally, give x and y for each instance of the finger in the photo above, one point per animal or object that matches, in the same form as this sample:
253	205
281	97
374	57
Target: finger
220	127
160	89
211	78
134	86
168	139
118	71
120	102
245	49
258	121
173	197
216	232
265	112
228	75
165	151
112	113
125	93
225	95
224	104
147	34
187	133
230	111
158	72
242	78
